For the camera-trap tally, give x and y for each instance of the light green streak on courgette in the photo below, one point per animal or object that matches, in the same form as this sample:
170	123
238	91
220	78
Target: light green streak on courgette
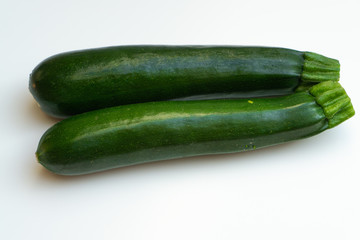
318	68
331	96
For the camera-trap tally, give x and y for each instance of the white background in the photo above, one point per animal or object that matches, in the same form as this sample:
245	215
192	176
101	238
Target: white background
307	189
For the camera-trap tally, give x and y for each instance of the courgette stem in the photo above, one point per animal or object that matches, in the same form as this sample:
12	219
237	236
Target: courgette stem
318	68
337	106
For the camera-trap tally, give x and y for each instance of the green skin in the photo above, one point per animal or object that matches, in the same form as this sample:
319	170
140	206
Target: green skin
139	133
153	131
81	81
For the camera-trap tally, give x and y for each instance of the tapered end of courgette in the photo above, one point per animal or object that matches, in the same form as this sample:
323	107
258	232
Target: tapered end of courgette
331	96
37	157
318	68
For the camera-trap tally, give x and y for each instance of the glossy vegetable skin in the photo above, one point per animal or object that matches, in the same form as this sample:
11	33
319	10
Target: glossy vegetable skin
140	133
76	82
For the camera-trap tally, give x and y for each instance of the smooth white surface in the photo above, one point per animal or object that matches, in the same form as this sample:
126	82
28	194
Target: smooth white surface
307	189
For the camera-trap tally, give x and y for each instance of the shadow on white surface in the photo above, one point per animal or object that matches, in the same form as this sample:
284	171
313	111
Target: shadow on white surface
26	113
36	114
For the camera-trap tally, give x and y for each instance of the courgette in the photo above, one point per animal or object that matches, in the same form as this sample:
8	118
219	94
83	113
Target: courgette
80	81
139	133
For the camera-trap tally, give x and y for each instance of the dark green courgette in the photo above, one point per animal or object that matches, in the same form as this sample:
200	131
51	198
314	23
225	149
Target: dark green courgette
81	81
140	133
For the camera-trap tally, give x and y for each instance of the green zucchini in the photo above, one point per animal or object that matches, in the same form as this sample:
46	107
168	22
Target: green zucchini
81	81
139	133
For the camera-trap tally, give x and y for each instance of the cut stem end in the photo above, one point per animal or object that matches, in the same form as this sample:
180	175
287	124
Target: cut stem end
331	96
318	68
